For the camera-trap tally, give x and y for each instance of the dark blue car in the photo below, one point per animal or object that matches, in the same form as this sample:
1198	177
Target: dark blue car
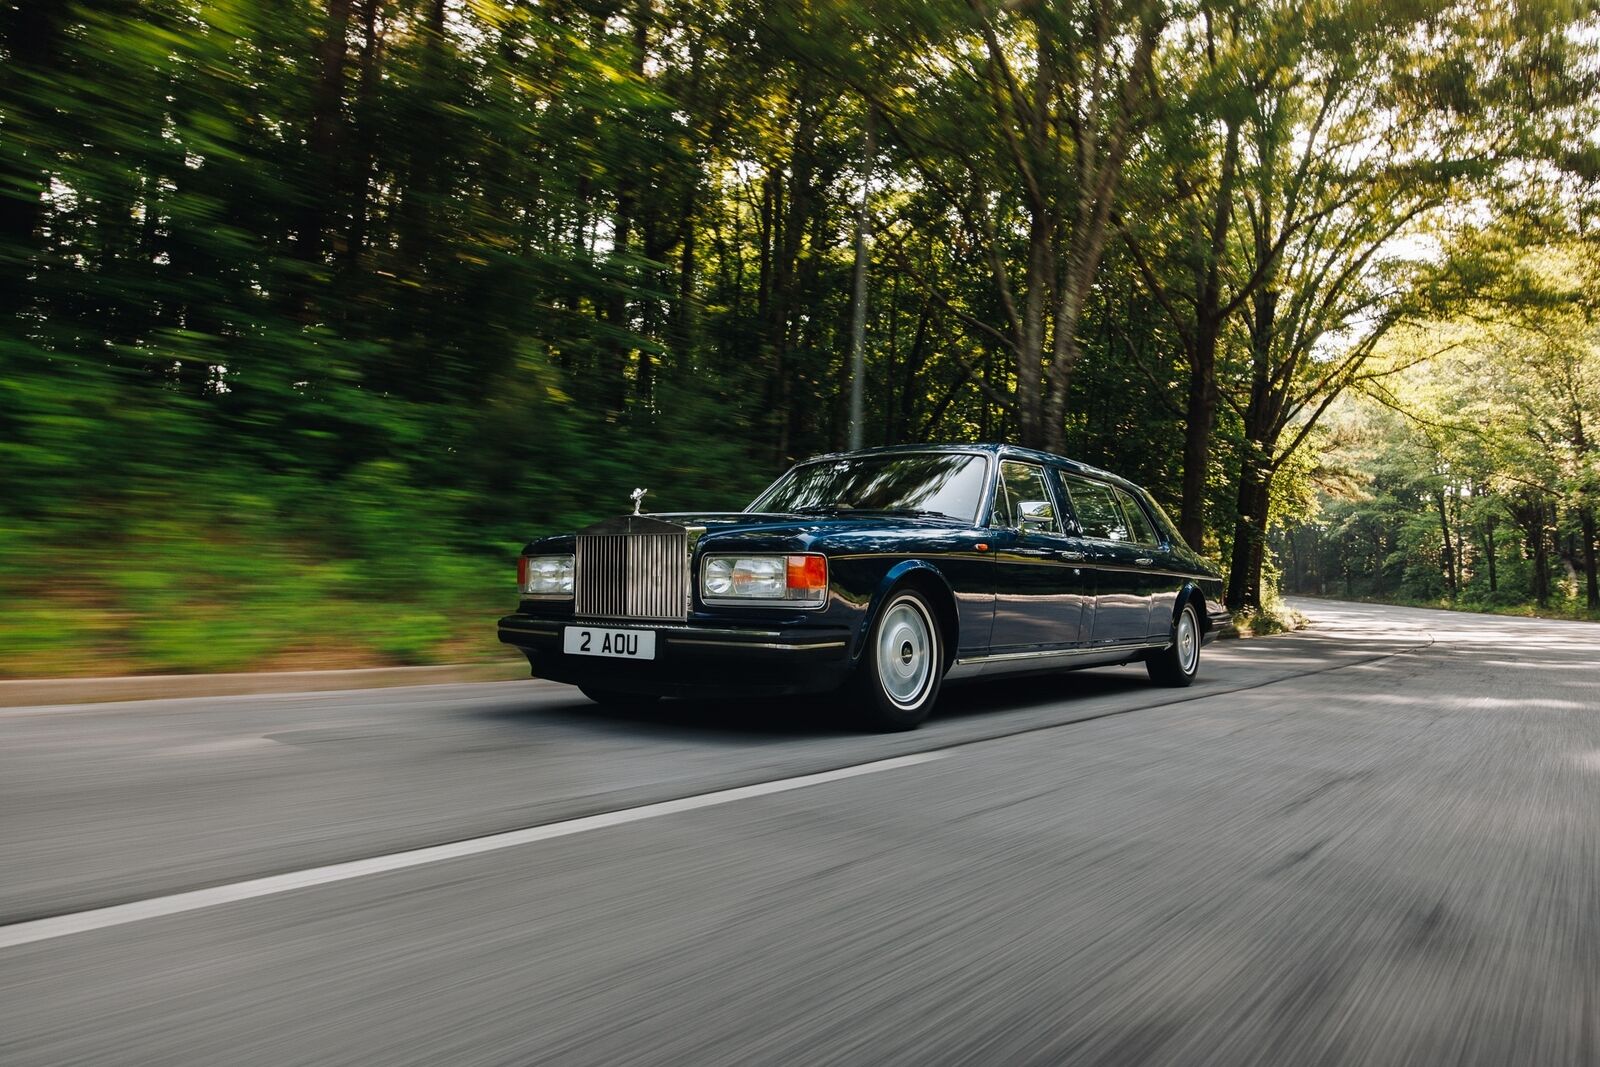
884	572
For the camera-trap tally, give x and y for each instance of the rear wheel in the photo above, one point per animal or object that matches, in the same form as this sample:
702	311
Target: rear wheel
900	672
1178	663
611	698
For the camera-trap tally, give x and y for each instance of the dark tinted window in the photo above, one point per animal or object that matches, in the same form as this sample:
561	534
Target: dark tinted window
1138	522
1021	499
948	484
1096	509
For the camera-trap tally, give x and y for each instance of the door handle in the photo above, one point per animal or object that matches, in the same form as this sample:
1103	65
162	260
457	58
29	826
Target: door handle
1144	561
1072	557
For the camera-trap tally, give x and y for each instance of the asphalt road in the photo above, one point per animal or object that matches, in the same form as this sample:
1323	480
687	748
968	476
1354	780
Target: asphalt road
1374	842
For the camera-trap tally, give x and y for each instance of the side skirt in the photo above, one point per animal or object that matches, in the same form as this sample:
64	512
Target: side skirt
1049	659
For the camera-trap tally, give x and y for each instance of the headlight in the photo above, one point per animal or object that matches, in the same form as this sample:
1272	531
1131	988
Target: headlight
798	579
545	575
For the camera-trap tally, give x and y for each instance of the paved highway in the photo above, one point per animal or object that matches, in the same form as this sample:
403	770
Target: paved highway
1373	842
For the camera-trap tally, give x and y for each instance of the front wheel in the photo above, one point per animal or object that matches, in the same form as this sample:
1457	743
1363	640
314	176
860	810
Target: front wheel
898	680
1178	663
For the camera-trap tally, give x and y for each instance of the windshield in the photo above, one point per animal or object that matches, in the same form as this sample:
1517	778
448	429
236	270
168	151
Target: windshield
938	483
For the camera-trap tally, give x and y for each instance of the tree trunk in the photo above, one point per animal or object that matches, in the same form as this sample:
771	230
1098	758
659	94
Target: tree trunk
619	351
1489	554
1062	364
685	313
1256	469
1199	423
1591	578
858	295
1030	356
1541	557
324	127
1447	553
365	135
1200	420
1249	534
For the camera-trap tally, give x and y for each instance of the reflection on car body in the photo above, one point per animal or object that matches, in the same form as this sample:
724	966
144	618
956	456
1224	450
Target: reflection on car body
884	571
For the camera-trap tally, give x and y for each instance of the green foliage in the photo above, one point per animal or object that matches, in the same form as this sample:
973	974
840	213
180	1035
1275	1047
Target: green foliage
1475	471
316	310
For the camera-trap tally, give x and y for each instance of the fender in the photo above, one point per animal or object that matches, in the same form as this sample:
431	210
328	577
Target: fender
891	579
1212	620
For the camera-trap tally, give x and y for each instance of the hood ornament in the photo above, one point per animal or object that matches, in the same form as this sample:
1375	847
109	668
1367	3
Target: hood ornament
637	496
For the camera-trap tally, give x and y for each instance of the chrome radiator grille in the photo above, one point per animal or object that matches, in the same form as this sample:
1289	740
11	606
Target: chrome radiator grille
632	575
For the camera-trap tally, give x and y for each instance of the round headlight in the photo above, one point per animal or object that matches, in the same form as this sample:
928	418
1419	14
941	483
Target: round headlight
719	576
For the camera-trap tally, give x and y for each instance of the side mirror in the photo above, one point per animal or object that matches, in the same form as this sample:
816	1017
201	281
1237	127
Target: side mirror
1036	514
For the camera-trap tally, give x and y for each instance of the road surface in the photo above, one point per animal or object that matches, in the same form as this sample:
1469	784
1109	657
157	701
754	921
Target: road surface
1373	842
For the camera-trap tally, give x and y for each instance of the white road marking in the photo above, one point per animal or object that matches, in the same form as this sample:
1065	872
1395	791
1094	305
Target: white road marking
99	918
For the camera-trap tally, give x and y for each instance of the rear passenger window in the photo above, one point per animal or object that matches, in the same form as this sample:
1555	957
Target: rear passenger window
1138	521
1098	514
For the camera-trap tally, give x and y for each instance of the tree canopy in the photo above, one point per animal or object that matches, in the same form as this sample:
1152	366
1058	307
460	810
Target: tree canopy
331	302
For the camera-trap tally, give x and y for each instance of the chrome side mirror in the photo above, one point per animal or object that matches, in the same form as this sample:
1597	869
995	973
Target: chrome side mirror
1036	514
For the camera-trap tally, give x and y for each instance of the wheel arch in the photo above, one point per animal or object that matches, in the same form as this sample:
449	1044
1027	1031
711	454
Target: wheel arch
928	580
1191	594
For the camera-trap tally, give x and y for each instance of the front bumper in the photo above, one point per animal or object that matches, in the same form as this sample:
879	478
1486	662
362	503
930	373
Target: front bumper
692	660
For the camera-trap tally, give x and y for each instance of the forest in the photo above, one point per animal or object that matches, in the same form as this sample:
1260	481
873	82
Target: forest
315	310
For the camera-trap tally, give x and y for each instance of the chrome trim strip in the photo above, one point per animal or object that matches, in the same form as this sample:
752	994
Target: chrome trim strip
778	646
521	629
1043	658
1049	653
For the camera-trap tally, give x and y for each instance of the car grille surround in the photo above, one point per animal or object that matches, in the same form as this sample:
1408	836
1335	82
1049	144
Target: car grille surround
632	568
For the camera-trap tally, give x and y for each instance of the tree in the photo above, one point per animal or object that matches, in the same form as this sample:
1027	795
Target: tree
1055	94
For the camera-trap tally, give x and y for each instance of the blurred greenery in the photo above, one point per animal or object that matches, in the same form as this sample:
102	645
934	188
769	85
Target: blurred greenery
315	310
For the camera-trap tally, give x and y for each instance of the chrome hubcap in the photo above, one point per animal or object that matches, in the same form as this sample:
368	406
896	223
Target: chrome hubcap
905	653
1188	641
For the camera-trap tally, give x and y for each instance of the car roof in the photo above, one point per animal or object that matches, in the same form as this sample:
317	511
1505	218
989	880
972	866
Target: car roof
994	448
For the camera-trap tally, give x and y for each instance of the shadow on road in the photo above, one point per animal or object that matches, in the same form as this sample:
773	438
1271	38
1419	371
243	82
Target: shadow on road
824	715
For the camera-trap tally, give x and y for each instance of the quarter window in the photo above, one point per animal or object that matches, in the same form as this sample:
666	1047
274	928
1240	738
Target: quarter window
1097	511
1021	499
1138	522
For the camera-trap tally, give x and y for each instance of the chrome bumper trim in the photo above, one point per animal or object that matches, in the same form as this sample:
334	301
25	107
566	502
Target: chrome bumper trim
774	645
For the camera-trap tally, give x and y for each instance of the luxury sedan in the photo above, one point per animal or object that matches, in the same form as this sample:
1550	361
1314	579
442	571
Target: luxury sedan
884	572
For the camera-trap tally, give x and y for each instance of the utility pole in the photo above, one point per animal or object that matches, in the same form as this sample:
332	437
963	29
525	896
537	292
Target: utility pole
858	311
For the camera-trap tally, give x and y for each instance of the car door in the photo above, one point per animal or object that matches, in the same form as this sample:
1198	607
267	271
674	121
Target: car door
1121	599
1042	592
1155	582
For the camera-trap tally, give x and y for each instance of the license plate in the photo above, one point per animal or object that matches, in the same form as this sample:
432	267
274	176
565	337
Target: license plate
604	641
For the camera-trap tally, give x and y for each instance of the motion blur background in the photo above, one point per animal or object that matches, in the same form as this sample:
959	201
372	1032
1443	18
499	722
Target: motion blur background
316	309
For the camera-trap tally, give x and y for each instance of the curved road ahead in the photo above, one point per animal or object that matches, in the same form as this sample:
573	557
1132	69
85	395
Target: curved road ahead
1373	842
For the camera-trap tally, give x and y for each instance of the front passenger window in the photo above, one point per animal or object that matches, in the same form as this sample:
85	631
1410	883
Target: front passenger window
1021	499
